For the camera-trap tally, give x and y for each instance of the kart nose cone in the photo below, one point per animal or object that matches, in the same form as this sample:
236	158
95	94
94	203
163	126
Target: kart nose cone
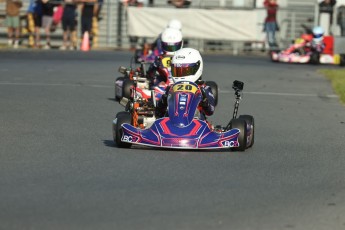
180	125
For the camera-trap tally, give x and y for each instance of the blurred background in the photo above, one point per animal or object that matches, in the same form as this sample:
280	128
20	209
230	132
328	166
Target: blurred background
231	26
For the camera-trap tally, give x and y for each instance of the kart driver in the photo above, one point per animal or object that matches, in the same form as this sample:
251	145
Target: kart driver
318	44
308	43
159	70
173	24
187	65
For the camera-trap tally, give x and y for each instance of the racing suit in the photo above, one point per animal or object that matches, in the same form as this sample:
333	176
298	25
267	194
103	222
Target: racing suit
159	75
206	105
159	71
157	44
317	46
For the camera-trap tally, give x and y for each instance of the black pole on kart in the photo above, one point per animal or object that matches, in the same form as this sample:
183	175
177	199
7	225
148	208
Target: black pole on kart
237	104
238	87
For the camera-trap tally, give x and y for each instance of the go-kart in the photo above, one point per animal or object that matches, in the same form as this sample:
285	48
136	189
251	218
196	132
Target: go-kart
310	56
137	77
183	126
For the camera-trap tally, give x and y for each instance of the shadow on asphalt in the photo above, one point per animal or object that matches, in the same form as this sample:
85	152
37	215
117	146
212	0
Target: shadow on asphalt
111	144
111	99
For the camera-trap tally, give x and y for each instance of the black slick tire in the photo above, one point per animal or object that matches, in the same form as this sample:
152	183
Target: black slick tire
242	138
121	118
250	127
314	58
214	89
126	88
118	97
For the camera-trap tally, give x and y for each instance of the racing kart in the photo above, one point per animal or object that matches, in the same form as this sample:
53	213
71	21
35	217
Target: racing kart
183	126
310	56
137	77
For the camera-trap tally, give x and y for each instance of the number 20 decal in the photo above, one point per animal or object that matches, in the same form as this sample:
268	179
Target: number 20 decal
185	88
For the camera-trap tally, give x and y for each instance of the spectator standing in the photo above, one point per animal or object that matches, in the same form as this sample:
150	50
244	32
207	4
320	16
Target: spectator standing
327	6
38	22
138	3
341	19
271	25
69	24
86	17
31	22
98	9
13	22
47	19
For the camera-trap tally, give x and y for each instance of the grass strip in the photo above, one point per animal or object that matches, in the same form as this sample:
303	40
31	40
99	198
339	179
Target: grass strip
337	78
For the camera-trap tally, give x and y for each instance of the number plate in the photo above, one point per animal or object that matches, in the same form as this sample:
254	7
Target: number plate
185	87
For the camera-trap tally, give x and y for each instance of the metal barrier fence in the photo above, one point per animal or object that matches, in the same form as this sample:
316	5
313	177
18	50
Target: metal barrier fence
112	28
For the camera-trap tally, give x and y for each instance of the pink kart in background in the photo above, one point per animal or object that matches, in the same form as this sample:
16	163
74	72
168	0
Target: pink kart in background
305	55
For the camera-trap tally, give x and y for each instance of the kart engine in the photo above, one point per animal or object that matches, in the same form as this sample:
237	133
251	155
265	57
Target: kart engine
145	111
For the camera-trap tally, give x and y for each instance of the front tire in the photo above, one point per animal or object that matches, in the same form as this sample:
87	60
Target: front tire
121	118
271	53
250	129
214	89
242	137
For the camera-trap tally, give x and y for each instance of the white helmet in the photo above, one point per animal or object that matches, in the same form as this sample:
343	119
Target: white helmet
174	24
171	41
318	34
186	65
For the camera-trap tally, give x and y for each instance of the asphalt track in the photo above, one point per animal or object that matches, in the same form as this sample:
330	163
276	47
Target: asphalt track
59	168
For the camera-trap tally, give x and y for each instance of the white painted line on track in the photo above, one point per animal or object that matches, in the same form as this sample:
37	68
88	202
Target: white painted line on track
56	84
284	94
220	91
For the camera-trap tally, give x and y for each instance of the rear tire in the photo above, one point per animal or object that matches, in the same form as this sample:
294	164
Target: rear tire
342	60
250	126
126	88
118	95
315	58
214	89
271	55
242	137
121	118
137	55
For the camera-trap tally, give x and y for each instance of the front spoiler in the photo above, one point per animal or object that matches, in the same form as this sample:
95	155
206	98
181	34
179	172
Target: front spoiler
303	59
290	58
164	134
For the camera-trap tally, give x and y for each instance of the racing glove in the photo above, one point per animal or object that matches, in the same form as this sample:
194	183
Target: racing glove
157	63
205	103
162	104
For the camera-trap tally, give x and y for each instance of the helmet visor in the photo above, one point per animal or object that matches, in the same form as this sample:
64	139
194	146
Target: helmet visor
171	46
318	35
182	70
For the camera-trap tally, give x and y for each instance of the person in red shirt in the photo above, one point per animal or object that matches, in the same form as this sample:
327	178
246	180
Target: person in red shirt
271	25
